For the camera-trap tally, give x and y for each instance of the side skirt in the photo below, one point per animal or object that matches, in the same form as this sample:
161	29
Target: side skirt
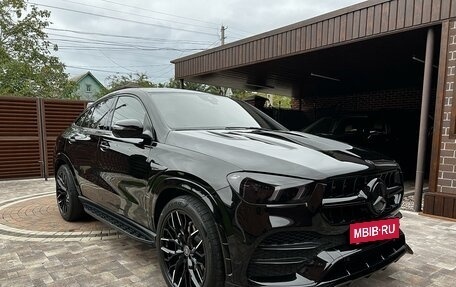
118	222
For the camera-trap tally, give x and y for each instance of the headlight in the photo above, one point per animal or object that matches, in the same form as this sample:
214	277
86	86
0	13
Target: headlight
260	188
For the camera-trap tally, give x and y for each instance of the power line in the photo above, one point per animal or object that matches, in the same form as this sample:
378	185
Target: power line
119	54
123	19
107	71
124	36
163	13
135	14
172	15
239	34
107	41
114	62
88	48
213	44
113	44
98	70
160	76
134	66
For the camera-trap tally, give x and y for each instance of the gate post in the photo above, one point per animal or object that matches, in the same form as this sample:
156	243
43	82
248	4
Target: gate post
42	137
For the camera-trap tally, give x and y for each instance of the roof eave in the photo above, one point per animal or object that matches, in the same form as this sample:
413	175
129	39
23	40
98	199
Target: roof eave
313	20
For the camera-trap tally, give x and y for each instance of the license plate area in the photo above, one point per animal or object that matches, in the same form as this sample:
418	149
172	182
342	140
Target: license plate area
374	230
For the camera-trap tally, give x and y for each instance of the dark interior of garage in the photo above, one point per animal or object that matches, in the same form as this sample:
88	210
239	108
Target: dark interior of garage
379	81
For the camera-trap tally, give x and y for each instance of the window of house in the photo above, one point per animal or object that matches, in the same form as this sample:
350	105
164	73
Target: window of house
88	88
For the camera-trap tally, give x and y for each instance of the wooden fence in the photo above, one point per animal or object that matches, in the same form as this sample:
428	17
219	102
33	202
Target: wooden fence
28	130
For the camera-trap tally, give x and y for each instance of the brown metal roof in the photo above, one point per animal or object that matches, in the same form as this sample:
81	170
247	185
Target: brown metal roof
358	22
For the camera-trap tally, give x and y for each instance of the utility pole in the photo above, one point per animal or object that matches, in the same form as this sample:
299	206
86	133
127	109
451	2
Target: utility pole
222	35
227	92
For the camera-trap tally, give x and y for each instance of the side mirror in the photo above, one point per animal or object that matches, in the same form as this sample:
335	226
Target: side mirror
129	128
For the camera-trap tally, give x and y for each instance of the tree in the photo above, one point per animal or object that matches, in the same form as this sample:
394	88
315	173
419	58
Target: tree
282	102
173	83
242	94
27	66
133	80
141	80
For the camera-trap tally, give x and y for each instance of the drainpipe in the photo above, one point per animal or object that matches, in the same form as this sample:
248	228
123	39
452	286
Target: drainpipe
423	120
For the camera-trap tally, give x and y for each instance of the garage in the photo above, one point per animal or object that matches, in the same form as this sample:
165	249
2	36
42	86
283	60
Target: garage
389	63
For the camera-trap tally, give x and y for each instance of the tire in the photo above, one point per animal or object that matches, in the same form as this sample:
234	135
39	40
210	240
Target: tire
68	202
188	245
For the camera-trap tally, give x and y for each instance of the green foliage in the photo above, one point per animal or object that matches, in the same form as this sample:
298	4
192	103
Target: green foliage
173	83
136	80
276	101
282	102
27	66
242	94
141	80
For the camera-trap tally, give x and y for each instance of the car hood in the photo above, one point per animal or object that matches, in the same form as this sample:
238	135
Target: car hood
280	152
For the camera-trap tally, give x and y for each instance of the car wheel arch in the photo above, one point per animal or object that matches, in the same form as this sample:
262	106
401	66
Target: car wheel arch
168	194
62	159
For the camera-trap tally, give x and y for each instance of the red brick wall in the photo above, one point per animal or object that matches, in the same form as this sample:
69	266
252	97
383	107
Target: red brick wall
447	162
441	200
409	99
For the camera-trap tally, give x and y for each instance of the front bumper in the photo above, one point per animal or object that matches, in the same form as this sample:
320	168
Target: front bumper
294	246
330	267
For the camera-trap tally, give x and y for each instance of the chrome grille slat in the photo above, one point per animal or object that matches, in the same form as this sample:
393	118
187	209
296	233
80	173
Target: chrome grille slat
356	210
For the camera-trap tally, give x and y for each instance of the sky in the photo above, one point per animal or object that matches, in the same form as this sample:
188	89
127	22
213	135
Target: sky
109	37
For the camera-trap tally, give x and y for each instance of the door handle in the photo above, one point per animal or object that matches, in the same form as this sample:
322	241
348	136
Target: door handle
104	146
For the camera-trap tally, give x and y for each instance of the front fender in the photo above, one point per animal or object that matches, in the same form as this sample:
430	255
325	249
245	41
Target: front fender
171	185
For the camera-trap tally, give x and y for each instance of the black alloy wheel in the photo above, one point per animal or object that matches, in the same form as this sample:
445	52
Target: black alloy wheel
69	205
183	250
189	250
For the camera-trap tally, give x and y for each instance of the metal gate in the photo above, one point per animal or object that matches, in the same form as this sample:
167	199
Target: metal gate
28	129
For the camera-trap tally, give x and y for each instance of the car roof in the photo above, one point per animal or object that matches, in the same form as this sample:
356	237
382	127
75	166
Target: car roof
152	91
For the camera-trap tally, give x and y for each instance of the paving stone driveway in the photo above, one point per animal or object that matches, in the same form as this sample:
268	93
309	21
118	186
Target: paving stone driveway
80	255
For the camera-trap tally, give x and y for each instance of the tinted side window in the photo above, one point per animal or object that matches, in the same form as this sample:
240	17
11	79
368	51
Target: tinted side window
351	125
129	108
82	118
322	126
98	115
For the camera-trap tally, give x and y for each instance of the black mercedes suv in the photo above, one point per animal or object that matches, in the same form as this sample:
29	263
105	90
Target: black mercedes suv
227	195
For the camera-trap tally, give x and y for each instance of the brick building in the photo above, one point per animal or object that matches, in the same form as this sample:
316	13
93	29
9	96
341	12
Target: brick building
384	56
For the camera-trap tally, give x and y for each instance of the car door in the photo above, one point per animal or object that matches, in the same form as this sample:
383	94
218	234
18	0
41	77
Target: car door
82	146
124	164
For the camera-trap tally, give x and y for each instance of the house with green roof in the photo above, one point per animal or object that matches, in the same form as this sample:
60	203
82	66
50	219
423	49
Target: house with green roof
88	87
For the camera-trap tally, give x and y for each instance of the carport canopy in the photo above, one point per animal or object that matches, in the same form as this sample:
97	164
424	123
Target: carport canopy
374	45
371	45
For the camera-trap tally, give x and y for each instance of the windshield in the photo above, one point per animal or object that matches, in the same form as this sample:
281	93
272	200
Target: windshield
322	126
182	111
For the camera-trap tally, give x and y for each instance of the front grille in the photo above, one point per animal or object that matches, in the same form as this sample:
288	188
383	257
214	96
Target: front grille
358	210
351	185
282	254
341	215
